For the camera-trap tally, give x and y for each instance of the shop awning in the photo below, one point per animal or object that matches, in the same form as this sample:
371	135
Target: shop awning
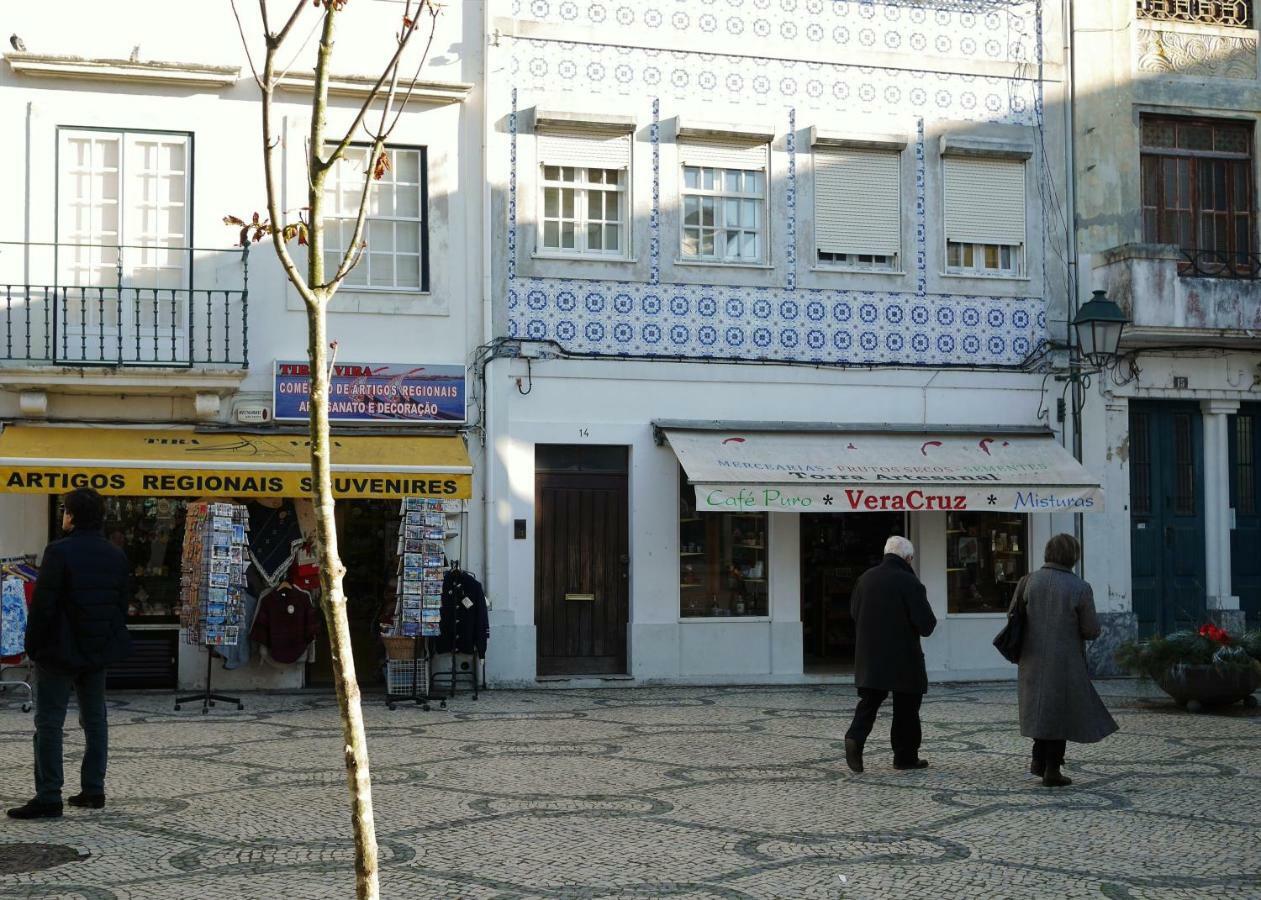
870	469
185	463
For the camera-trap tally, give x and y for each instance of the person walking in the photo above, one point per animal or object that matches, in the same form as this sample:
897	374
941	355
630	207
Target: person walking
77	626
891	614
1057	701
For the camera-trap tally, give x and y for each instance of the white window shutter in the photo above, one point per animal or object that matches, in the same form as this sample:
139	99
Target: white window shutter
585	149
724	154
857	201
984	200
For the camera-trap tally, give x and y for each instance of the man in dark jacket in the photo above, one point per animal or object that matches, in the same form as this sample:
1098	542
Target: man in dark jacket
77	626
891	613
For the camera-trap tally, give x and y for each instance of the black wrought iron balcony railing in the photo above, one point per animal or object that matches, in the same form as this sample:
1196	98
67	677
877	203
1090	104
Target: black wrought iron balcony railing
123	305
1220	264
1230	13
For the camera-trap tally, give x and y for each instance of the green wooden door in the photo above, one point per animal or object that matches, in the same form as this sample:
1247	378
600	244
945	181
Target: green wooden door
1166	516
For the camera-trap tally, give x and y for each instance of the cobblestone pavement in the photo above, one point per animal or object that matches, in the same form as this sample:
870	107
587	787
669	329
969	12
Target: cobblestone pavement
650	792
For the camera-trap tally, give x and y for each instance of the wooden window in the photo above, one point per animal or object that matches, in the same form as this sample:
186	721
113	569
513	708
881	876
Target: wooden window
1233	13
1197	193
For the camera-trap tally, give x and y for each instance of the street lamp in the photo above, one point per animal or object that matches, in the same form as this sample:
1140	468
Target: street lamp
1099	324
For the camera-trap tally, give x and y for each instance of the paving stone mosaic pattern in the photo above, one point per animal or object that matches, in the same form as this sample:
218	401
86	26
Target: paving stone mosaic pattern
648	792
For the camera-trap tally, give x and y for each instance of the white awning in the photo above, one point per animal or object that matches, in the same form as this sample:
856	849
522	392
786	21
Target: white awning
872	470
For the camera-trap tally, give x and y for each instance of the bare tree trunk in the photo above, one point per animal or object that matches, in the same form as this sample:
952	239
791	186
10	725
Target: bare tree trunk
334	606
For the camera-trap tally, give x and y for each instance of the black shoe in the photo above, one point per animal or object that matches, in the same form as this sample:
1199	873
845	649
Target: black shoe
853	755
87	801
35	809
1037	768
917	764
1053	778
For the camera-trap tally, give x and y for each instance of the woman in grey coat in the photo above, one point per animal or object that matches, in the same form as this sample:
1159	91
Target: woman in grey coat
1057	701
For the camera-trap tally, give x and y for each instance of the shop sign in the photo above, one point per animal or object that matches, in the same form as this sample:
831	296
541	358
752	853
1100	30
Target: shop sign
379	393
842	498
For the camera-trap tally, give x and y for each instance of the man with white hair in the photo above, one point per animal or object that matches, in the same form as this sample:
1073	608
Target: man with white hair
891	613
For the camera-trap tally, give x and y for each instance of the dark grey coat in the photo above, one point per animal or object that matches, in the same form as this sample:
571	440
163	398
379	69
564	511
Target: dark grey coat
1057	700
891	613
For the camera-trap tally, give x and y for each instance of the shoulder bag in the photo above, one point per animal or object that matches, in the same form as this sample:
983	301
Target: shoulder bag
1008	641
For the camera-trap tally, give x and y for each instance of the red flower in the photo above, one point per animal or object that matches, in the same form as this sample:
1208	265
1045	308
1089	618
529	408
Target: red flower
1214	633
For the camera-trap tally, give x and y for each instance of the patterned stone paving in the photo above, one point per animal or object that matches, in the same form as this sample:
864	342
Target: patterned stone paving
653	792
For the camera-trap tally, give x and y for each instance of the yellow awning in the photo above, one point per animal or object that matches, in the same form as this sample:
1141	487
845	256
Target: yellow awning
176	462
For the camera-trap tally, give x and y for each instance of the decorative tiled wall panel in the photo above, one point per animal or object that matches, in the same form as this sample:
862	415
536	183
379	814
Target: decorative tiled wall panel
825	326
1000	30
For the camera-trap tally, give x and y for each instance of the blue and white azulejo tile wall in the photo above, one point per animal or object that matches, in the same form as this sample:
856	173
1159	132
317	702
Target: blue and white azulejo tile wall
787	322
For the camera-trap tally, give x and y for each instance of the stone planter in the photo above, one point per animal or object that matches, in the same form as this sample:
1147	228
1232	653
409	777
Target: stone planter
1200	686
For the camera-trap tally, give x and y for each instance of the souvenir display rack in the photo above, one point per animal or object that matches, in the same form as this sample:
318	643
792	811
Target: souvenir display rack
425	526
212	584
18	574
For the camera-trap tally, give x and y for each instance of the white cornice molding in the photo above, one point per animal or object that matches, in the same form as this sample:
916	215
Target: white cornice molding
856	140
140	381
179	74
434	92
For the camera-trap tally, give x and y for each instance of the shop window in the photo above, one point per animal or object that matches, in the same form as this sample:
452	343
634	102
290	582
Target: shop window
722	560
986	554
396	228
150	530
1197	193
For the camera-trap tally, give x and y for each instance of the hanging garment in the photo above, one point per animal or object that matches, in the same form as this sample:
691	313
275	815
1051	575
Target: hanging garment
286	624
465	623
238	654
13	617
274	539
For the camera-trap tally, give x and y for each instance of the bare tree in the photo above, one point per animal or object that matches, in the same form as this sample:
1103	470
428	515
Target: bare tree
316	287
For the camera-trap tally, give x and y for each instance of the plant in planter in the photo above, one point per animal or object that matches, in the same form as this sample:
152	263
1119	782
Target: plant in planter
1200	668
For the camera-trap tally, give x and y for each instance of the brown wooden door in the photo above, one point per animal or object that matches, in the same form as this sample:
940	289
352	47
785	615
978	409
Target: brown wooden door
581	573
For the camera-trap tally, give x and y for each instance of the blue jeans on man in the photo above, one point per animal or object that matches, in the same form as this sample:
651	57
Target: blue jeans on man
52	697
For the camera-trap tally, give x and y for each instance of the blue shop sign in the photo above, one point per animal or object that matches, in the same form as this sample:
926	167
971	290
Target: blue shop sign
374	392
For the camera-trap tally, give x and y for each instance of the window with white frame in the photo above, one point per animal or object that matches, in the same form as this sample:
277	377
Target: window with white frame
984	202
396	226
124	192
857	208
723	202
584	193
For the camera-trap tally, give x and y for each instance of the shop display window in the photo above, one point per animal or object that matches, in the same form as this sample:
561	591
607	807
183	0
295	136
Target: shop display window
150	530
722	560
986	554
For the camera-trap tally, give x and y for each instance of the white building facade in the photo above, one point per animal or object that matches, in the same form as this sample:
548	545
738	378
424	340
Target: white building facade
131	319
761	236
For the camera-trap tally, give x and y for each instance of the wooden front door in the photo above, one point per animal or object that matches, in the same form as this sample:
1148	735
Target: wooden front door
1166	516
1245	500
581	571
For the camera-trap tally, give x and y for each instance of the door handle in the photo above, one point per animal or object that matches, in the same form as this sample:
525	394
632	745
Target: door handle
1168	535
590	597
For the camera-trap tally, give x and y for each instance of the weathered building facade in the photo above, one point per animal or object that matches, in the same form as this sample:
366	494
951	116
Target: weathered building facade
1166	99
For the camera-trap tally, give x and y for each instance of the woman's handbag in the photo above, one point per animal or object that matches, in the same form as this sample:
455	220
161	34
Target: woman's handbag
1008	641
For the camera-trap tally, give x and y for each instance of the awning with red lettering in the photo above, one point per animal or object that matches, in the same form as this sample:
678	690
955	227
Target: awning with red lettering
801	468
175	462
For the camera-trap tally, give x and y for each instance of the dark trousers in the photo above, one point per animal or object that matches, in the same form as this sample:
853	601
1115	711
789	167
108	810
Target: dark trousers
905	734
1048	753
52	696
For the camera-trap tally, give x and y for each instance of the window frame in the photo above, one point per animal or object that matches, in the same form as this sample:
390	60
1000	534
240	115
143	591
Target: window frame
581	222
422	220
762	233
1019	251
1247	210
854	261
978	250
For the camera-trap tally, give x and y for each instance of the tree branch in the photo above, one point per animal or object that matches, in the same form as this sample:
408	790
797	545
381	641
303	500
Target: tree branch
246	44
354	250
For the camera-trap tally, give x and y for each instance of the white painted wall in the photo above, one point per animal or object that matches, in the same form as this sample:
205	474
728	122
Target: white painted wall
608	402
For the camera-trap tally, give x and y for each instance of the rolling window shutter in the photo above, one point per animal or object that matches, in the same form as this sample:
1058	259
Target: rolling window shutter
724	154
984	201
857	201
585	149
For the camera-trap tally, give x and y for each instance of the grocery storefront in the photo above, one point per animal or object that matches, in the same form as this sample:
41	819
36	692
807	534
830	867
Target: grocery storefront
149	475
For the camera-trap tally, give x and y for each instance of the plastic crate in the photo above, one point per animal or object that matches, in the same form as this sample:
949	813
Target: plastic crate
398	676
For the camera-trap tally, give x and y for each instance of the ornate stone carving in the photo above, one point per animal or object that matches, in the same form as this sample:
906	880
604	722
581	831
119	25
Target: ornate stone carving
1207	55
